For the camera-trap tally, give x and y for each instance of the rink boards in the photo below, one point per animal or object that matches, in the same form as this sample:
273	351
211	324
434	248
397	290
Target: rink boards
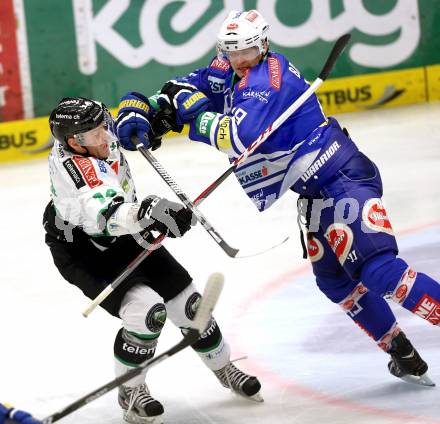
31	139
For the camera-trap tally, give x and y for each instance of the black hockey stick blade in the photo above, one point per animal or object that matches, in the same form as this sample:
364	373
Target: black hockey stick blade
213	289
337	49
230	251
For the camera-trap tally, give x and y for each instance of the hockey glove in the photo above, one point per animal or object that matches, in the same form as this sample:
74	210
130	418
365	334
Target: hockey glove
15	416
161	123
133	120
169	218
164	121
184	100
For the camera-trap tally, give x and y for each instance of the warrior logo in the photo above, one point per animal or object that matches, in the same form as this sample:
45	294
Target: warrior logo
315	249
322	160
340	238
374	217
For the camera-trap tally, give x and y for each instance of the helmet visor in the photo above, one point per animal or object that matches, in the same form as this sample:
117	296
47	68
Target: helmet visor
96	137
248	54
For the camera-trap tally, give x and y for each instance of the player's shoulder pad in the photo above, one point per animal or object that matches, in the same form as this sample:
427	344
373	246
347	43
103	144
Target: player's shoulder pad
82	171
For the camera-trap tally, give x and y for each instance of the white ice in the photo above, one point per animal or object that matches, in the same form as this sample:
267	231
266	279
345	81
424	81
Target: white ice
315	365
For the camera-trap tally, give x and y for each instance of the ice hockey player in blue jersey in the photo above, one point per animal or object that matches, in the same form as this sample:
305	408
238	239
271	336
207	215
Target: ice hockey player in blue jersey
230	103
10	415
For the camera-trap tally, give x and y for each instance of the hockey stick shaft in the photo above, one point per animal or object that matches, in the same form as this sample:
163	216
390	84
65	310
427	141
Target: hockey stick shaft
210	297
336	51
230	251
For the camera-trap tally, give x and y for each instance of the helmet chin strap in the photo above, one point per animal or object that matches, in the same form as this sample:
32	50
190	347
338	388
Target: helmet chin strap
264	54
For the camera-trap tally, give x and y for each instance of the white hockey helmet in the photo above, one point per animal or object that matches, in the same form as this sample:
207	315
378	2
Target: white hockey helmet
242	30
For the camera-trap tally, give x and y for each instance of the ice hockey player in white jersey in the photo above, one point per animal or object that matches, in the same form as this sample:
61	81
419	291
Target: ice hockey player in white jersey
95	227
235	99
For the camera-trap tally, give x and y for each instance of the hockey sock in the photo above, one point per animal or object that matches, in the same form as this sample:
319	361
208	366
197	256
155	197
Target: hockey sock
371	313
211	347
417	292
420	294
132	349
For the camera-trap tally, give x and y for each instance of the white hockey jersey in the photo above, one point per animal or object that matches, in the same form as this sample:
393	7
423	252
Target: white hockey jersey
83	188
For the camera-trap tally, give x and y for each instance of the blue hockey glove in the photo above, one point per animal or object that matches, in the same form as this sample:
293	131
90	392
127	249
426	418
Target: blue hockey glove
133	120
9	415
184	100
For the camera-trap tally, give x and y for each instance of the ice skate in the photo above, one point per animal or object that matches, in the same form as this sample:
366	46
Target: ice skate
239	382
139	406
406	363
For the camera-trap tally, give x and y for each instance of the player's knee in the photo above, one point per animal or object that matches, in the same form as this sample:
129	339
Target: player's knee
182	308
336	288
143	312
383	273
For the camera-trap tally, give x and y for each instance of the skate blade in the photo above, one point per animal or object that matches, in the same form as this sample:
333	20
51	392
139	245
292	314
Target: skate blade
254	398
133	418
423	380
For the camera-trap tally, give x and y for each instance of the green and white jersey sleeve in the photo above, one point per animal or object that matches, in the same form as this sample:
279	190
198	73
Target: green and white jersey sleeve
83	188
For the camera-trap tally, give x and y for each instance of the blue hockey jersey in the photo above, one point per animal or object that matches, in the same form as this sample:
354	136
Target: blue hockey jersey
243	108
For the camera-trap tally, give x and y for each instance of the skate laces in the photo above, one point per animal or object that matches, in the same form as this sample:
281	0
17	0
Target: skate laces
140	395
231	376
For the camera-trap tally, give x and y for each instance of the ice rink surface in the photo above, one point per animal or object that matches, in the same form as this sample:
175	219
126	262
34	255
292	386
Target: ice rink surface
315	365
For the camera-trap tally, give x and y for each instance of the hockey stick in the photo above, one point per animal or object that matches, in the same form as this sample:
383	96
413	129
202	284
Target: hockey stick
336	51
210	296
230	251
